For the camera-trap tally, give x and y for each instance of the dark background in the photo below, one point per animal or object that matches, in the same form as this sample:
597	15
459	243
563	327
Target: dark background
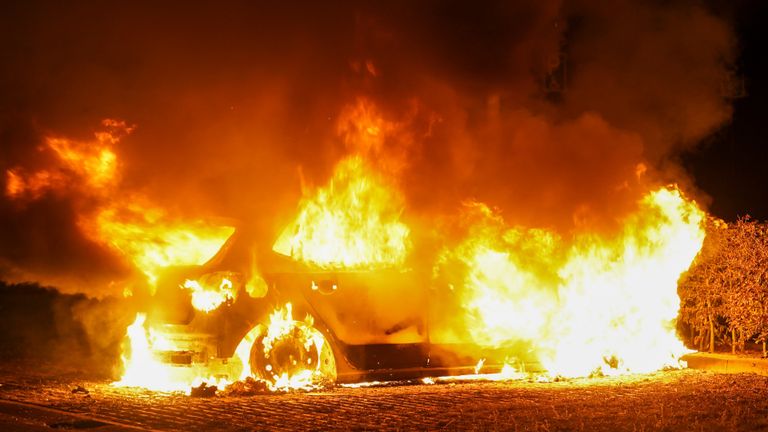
731	164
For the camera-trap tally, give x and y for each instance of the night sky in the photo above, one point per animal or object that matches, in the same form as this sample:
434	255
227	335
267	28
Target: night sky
730	165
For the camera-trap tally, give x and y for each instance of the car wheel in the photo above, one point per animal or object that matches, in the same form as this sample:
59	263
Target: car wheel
288	354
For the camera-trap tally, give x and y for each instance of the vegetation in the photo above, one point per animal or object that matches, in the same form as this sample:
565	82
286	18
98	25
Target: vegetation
724	295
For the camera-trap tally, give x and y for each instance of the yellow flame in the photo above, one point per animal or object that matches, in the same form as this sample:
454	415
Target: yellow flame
152	239
354	222
143	367
619	300
599	306
283	328
209	297
479	366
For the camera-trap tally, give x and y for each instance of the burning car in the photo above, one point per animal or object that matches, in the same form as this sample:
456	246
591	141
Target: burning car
292	324
349	292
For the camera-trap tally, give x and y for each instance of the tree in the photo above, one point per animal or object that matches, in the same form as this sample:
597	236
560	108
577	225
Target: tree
726	288
701	287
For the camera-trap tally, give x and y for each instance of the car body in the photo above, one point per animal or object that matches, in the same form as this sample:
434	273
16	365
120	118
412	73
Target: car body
380	323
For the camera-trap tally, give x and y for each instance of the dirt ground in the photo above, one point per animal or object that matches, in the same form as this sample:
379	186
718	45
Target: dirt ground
688	400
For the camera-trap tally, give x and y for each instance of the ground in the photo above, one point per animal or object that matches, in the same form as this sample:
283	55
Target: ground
687	400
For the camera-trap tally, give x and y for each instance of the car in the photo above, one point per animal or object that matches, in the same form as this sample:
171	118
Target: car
283	320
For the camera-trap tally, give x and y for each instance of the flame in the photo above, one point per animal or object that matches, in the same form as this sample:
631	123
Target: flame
214	291
599	306
502	271
95	163
148	235
507	373
283	374
143	366
32	186
89	166
582	305
153	239
619	300
479	366
352	223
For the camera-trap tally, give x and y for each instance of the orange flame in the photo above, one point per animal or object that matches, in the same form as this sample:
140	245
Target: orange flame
151	238
90	166
131	224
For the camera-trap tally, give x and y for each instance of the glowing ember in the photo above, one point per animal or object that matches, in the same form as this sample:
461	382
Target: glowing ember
601	305
212	292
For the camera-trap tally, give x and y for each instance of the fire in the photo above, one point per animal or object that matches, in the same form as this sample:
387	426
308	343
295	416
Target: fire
131	224
581	305
507	373
599	306
352	223
619	300
211	292
287	353
153	239
504	270
95	163
284	353
90	166
33	186
144	367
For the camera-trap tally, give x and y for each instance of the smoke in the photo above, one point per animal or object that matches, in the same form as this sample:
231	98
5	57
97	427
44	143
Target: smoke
559	114
68	332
